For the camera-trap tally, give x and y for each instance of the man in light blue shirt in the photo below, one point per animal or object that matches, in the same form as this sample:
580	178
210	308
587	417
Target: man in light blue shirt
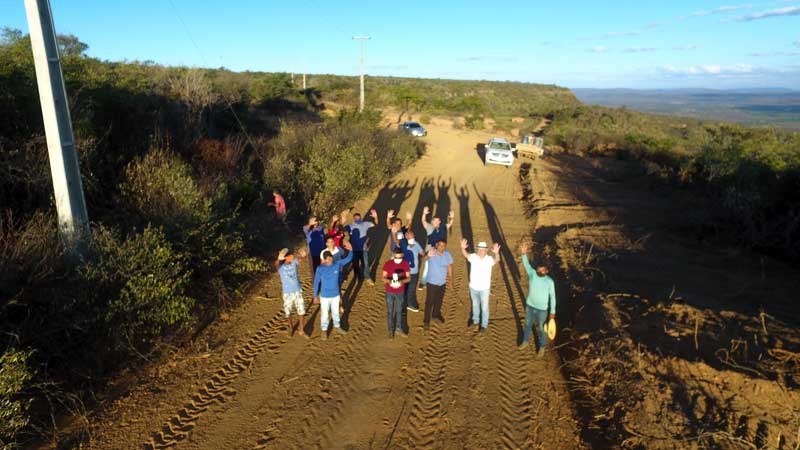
286	264
541	299
440	270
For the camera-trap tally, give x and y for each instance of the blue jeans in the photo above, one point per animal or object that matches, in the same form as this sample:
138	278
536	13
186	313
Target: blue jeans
394	311
540	317
480	307
411	292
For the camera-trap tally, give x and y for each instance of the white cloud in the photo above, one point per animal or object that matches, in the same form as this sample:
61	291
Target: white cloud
639	49
720	10
797	43
774	54
597	50
483	58
712	69
685	47
778	12
614	34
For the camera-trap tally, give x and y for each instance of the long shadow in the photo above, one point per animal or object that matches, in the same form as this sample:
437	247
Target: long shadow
391	196
508	267
443	204
465	223
427	197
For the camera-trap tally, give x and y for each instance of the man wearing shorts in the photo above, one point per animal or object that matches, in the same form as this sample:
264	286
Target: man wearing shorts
287	264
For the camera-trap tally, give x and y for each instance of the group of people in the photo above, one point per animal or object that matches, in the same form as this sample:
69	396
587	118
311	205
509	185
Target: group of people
334	250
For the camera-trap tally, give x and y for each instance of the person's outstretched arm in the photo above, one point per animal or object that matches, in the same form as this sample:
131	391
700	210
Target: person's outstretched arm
450	218
424	219
552	296
524	250
496	251
464	245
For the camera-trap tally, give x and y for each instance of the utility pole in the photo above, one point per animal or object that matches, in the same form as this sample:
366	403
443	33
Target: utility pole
73	220
304	81
361	98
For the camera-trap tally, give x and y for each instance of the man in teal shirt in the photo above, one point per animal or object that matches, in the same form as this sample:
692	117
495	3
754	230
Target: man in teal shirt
541	299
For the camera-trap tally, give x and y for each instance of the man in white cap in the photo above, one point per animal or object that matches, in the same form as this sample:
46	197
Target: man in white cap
480	280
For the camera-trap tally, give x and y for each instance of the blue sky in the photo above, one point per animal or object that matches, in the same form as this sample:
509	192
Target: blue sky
715	44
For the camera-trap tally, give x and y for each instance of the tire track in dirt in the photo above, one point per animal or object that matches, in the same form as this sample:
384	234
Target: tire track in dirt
508	373
425	418
217	389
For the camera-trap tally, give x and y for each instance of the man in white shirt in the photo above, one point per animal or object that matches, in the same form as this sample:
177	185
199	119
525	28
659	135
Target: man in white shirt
480	280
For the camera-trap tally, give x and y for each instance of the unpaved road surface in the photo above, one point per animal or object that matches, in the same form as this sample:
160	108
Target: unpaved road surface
255	387
667	340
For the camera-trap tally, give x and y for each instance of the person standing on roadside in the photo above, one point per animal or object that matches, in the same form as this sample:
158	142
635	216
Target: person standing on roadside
315	237
359	239
396	275
327	291
436	232
279	204
480	280
541	299
413	253
287	264
440	272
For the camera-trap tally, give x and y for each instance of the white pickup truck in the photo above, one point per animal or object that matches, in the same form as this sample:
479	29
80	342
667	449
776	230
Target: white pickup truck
498	151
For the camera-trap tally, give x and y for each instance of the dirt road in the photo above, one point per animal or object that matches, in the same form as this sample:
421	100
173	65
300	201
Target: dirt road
255	387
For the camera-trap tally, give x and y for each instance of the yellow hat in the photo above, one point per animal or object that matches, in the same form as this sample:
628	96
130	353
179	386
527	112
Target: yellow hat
550	329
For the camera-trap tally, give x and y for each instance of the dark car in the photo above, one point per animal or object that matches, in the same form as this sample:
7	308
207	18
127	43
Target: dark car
413	128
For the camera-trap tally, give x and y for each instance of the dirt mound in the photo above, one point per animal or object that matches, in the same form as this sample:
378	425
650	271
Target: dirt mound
676	342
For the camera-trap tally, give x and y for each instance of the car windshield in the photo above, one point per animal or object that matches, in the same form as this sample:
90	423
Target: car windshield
413	125
499	146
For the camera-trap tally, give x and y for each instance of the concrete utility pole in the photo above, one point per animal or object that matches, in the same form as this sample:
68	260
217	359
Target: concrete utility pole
361	98
304	81
73	220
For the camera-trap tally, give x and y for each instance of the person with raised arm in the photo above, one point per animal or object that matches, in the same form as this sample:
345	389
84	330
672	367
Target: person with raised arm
541	299
327	291
360	240
436	232
287	264
480	280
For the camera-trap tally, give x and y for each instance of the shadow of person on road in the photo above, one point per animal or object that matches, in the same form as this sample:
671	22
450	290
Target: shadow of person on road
508	266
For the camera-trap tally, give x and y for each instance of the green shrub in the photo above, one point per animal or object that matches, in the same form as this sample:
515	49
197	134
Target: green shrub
425	119
14	377
145	281
161	188
474	122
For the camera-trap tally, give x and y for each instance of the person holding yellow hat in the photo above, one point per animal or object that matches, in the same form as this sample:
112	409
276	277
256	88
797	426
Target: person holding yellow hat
541	299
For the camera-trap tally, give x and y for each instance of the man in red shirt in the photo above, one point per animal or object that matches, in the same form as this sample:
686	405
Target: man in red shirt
396	274
279	203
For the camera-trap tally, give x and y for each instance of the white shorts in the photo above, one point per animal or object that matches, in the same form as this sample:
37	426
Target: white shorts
295	299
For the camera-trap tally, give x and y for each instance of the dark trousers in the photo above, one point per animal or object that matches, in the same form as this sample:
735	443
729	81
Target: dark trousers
394	311
315	261
411	292
433	302
361	264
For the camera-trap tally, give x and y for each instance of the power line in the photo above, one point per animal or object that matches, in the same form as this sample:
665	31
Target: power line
203	58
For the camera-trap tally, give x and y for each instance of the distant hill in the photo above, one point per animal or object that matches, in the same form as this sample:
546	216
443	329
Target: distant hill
758	106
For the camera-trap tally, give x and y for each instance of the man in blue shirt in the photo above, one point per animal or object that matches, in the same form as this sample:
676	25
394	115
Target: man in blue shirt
327	291
359	239
315	236
541	299
436	232
440	271
287	264
413	254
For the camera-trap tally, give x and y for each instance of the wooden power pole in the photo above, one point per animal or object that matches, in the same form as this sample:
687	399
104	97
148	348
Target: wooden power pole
73	220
